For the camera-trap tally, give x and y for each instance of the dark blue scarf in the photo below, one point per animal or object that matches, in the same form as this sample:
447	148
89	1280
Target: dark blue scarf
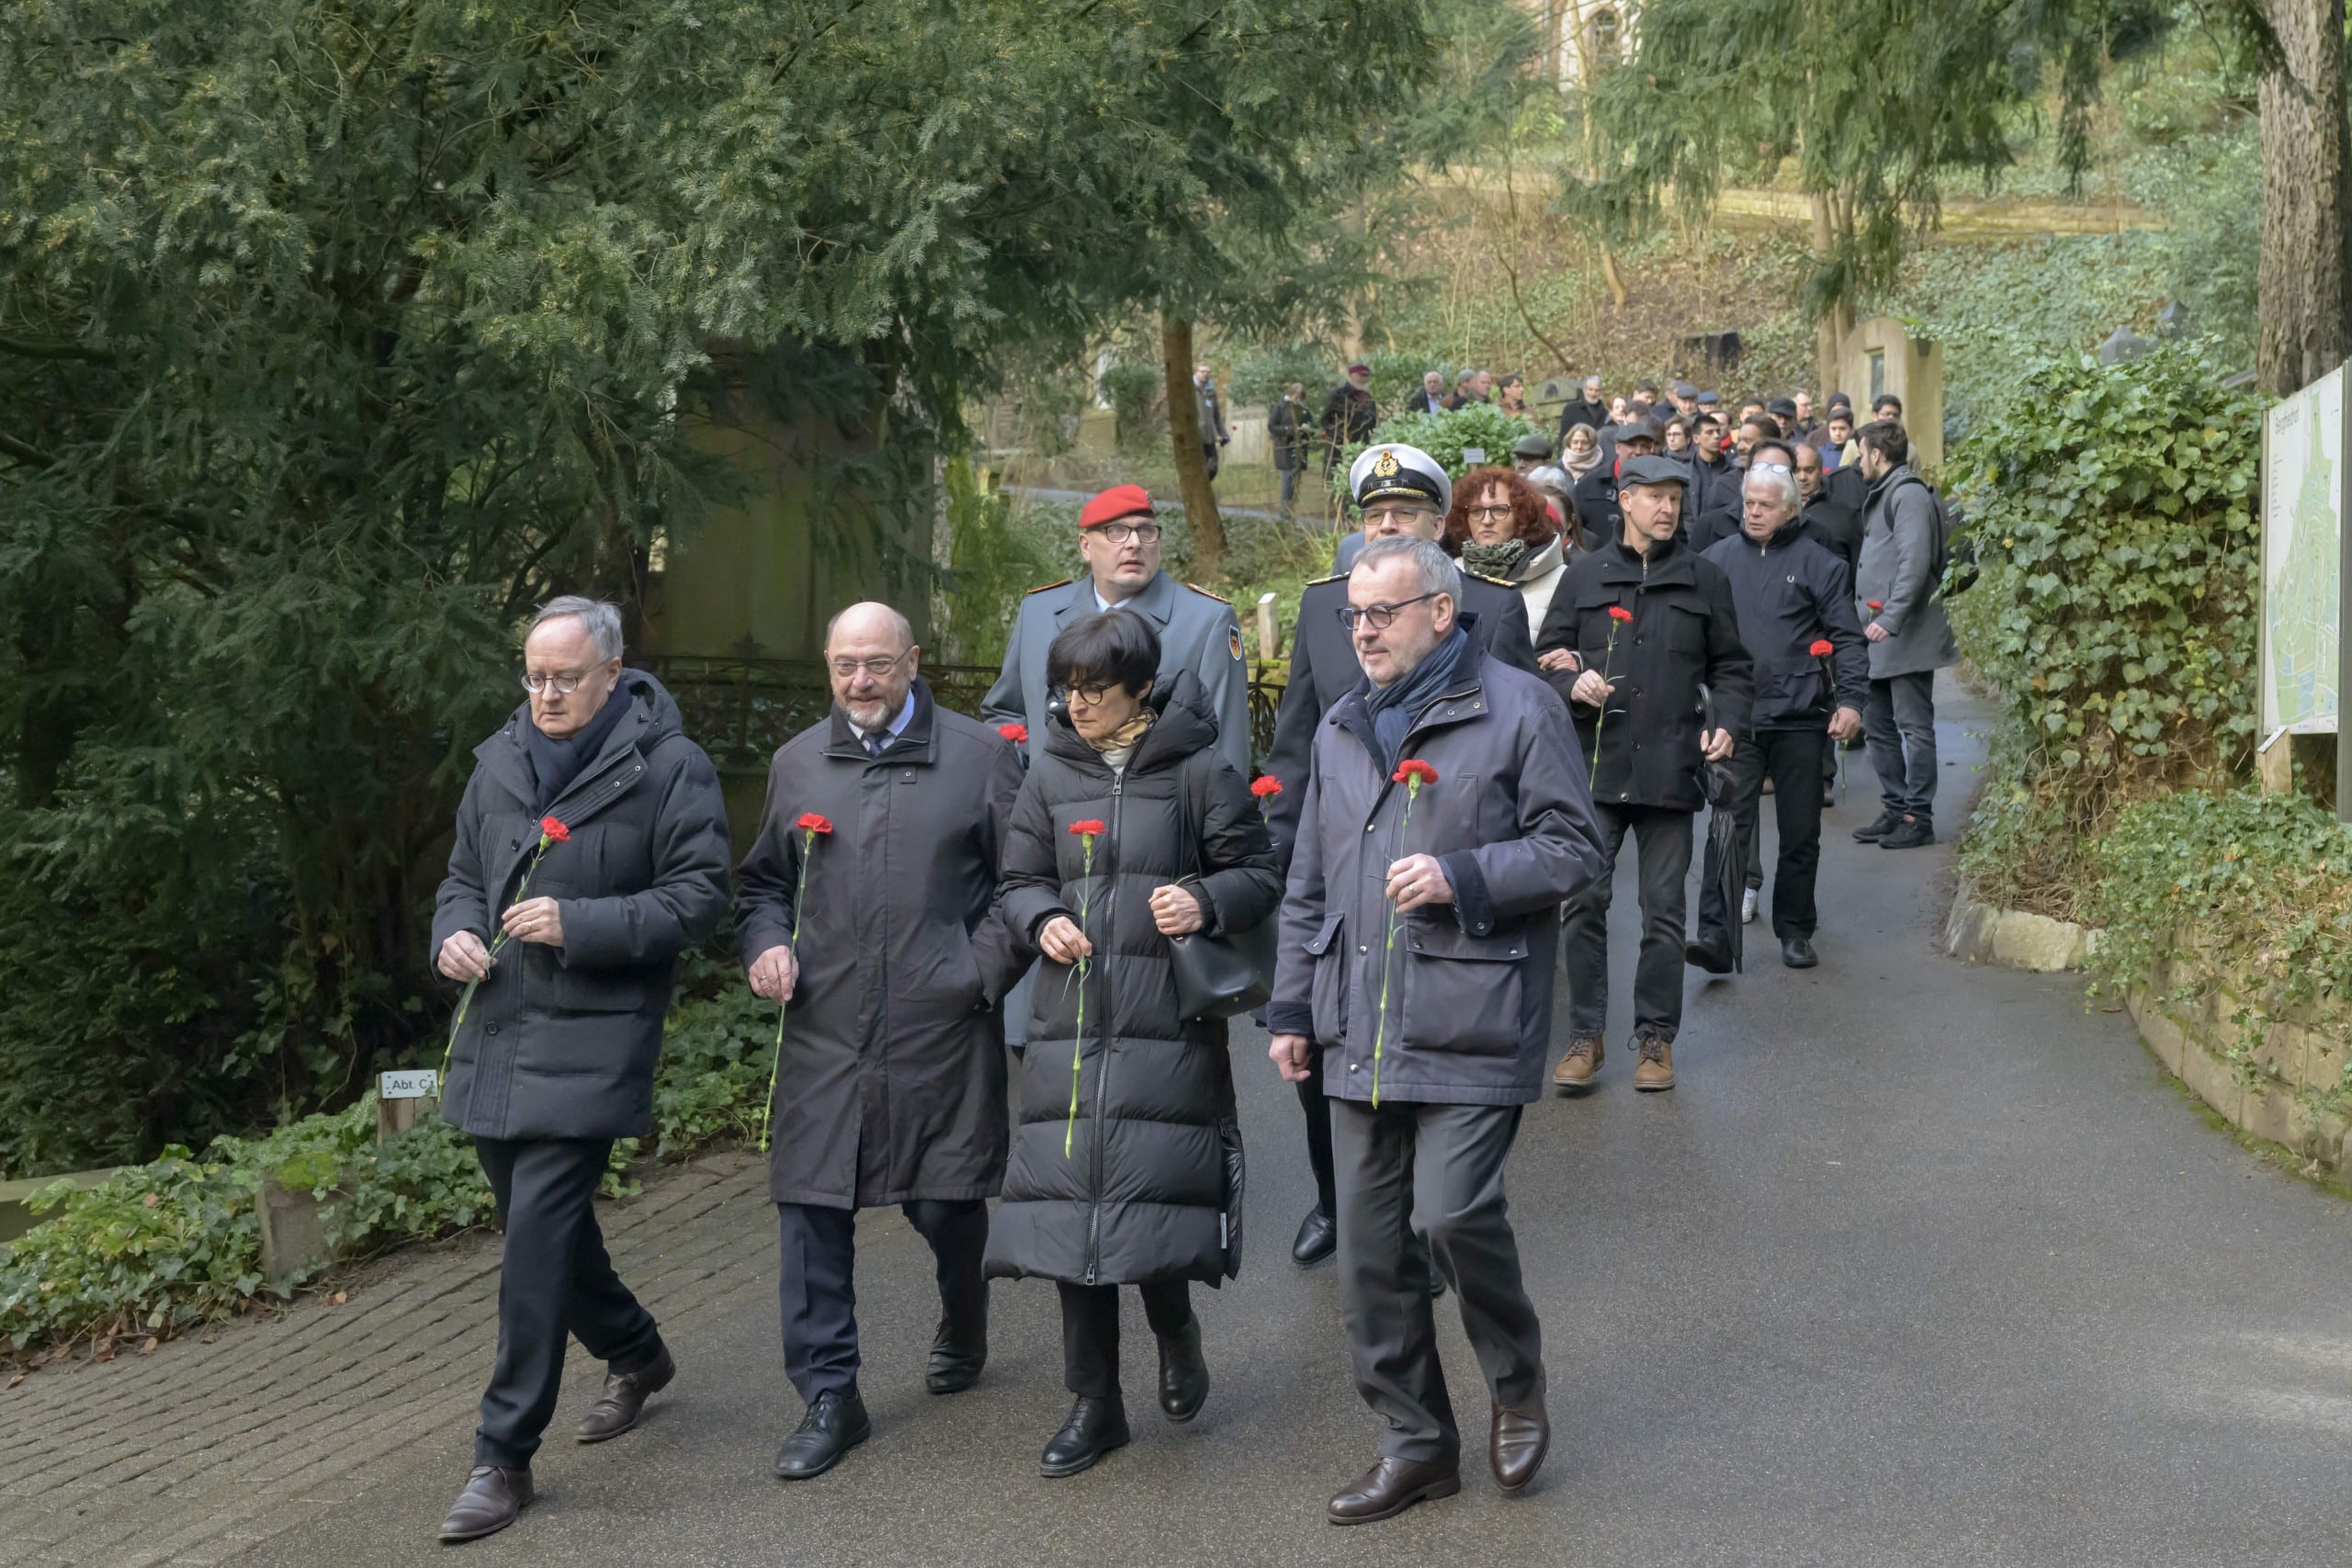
1395	705
555	763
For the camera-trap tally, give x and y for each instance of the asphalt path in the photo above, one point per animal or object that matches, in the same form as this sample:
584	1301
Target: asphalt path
1920	1264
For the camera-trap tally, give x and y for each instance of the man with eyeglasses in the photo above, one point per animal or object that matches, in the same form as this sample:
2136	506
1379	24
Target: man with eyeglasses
1118	539
1404	493
1651	626
890	1084
1433	1044
554	1056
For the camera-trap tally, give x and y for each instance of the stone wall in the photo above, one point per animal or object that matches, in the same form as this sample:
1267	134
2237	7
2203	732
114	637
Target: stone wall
2286	1090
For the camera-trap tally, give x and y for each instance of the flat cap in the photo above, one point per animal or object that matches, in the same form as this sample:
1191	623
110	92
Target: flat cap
1652	471
1532	444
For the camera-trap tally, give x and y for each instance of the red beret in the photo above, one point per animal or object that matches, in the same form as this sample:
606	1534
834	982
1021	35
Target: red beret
1119	500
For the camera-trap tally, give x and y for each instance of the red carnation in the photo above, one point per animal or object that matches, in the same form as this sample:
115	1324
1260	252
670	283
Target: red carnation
1874	605
1088	828
1016	733
1264	786
1619	613
1413	770
554	831
811	823
1823	648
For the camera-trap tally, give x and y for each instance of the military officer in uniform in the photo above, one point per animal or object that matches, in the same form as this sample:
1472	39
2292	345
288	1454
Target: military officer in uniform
1401	491
1118	537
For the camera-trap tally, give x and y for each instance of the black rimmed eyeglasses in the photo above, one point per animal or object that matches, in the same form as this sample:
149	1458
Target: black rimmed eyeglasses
1382	616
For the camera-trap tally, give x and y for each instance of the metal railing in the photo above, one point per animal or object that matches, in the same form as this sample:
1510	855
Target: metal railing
741	710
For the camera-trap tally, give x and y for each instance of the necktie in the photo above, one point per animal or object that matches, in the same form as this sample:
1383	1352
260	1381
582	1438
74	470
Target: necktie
875	742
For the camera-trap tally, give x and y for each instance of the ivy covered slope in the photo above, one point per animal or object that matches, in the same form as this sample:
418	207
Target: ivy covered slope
2112	511
167	1245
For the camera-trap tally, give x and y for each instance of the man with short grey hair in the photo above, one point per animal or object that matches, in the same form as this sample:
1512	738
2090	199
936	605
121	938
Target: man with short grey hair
1792	596
1443	804
592	850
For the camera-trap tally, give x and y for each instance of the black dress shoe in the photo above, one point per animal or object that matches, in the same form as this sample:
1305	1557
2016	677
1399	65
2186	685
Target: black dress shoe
957	1357
1183	1373
1095	1426
1872	833
1319	1237
1707	956
1911	833
494	1494
1390	1488
623	1400
835	1424
1517	1444
1797	953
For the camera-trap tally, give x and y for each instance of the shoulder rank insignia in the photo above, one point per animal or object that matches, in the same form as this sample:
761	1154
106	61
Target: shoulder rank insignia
1498	581
1048	587
1335	576
1206	594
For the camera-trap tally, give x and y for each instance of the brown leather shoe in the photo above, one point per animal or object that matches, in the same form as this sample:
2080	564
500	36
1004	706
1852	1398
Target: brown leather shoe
1576	1069
494	1494
623	1400
1517	1445
1657	1070
1390	1488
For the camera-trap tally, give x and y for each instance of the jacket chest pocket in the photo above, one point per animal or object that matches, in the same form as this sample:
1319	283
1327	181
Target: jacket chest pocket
1329	995
1686	626
1462	993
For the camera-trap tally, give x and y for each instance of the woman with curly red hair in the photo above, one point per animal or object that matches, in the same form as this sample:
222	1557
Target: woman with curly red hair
1500	527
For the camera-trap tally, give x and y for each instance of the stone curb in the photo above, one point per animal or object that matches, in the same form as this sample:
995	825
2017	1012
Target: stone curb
2276	1097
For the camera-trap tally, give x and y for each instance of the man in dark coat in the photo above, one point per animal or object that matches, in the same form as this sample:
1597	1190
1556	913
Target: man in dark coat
1821	517
1722	519
1410	503
1433	1042
1214	435
1590	408
553	1055
1349	415
1286	434
1650	624
891	1083
1792	596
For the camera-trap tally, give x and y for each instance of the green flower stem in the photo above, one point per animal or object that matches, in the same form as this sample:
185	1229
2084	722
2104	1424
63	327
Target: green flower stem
466	997
775	1063
1078	1047
1388	946
1608	658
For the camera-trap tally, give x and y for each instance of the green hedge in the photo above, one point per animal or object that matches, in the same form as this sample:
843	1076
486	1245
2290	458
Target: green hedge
164	1246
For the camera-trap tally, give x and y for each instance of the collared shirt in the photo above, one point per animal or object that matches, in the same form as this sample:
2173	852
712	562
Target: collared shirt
897	726
1106	606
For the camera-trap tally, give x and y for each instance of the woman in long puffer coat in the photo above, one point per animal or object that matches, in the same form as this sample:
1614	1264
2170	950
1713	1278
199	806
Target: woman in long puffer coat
1125	1168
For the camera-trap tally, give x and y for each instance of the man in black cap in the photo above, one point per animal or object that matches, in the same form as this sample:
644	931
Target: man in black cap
1530	451
1686	399
1595	497
1650	624
1404	493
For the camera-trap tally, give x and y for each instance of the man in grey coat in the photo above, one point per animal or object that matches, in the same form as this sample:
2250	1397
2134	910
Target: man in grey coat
890	1085
1899	602
592	850
1416	944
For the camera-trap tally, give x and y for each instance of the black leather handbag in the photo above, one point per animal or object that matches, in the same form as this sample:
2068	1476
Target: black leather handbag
1229	973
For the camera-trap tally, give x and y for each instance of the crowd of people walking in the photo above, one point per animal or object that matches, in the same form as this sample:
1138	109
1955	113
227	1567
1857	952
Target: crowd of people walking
1510	675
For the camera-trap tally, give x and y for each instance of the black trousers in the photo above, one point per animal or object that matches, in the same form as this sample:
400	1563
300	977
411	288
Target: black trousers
818	1295
555	1279
1423	1187
1318	1127
1090	1329
1791	760
1664	836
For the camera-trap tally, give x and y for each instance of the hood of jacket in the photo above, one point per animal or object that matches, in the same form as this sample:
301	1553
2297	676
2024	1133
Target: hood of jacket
655	719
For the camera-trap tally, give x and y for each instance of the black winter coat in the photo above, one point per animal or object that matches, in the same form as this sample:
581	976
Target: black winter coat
1791	593
1684	635
1323	669
1144	1180
892	1084
1834	527
561	1041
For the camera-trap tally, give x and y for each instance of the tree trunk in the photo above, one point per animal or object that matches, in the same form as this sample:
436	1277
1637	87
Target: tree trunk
1829	332
1192	461
2302	282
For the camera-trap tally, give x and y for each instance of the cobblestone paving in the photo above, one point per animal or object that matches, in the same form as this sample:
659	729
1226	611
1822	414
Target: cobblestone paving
193	1454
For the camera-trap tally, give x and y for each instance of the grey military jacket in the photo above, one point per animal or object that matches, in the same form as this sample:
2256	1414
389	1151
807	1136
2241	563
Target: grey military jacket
1198	631
1462	1011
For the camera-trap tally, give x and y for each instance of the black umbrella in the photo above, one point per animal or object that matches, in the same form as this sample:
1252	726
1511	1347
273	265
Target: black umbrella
1729	856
